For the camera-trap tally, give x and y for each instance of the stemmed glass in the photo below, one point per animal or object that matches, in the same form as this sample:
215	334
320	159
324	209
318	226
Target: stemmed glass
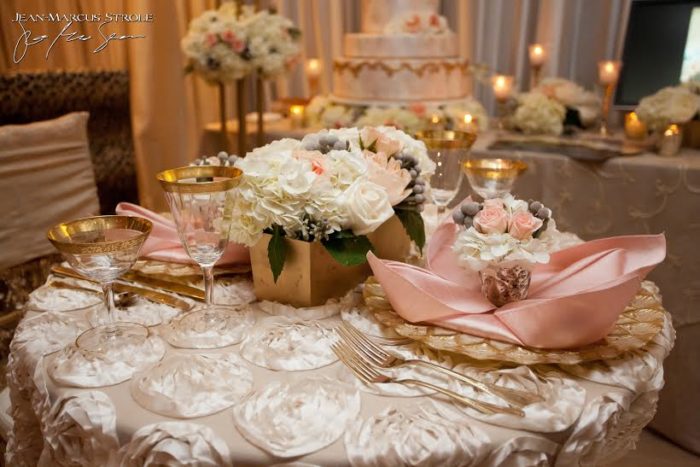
103	248
447	149
200	202
493	178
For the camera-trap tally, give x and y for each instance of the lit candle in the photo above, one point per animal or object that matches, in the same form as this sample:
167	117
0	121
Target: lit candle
634	128
537	54
609	71
468	123
313	68
296	115
502	86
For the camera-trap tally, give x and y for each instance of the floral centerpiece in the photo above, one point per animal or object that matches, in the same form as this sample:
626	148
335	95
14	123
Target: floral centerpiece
335	189
554	104
229	43
502	239
677	104
323	111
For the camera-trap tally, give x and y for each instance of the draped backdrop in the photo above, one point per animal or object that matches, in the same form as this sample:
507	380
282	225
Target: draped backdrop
169	109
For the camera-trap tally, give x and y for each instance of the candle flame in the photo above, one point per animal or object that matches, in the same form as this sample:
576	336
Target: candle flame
672	130
609	67
435	118
468	118
537	49
313	64
296	109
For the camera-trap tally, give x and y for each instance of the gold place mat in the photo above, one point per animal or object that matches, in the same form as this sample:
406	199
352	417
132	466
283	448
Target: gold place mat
638	324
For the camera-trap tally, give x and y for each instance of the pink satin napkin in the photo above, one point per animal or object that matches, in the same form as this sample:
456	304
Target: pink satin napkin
164	243
574	300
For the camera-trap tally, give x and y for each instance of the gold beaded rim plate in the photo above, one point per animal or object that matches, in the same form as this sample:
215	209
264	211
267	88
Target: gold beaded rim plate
641	321
183	179
61	235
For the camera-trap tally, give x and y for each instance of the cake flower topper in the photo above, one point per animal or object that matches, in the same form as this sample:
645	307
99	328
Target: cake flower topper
502	239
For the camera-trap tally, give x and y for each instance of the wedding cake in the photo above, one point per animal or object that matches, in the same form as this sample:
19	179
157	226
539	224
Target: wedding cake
404	54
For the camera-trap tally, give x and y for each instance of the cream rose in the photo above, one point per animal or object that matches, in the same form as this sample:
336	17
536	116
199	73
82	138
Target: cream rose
368	206
523	224
491	220
387	173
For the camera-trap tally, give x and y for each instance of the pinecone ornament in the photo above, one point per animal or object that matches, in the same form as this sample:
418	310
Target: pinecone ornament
505	285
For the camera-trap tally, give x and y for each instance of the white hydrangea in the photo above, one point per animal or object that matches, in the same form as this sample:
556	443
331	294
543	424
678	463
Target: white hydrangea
539	114
669	105
573	96
398	117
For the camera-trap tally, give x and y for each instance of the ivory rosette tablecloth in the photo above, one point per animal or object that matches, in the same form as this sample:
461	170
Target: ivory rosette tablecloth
280	405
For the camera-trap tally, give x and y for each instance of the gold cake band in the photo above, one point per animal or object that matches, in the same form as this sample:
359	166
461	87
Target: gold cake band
419	70
171	180
60	235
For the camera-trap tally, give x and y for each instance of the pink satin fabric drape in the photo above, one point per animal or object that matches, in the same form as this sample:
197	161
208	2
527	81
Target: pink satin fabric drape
574	300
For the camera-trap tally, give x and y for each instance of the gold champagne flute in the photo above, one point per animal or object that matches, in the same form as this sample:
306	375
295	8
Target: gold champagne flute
493	178
200	202
103	248
447	149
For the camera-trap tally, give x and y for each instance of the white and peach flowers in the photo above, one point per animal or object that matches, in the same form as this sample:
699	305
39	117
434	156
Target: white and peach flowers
504	231
677	104
539	114
229	43
336	180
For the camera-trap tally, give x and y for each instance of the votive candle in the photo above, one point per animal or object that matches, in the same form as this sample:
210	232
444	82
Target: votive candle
538	54
609	71
296	116
634	127
502	86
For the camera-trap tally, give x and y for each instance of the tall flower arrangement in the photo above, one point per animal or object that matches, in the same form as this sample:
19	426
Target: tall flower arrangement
333	187
229	43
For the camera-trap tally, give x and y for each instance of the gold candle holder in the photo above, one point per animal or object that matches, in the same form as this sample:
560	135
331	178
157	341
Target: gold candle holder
493	178
608	74
538	55
502	89
313	74
634	128
296	116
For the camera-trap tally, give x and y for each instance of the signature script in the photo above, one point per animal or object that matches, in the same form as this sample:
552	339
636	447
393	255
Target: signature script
26	40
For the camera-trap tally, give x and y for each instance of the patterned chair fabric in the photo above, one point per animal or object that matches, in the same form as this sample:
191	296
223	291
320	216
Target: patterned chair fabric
30	97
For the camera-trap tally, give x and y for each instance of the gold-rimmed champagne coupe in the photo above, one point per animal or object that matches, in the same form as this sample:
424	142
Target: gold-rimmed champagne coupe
200	202
448	149
493	178
103	248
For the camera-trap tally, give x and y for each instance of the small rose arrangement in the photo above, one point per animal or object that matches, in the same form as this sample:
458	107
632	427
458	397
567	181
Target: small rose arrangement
502	232
537	113
229	43
323	111
418	22
332	187
669	105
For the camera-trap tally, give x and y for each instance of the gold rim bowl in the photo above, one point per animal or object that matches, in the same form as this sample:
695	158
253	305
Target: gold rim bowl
447	139
494	168
184	179
61	234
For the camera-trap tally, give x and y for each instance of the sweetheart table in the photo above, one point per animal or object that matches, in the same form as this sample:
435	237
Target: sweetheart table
280	396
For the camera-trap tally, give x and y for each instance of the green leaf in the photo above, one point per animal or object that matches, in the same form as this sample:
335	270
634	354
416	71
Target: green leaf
412	223
277	252
348	249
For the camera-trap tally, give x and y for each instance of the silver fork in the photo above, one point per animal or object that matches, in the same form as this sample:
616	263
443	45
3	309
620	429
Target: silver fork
381	358
369	375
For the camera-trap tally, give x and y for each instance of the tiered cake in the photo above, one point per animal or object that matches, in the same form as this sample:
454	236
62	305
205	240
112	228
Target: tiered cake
405	54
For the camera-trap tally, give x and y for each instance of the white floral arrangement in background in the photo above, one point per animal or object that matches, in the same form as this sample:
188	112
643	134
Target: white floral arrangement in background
538	114
322	111
503	231
227	44
677	104
545	109
419	22
333	187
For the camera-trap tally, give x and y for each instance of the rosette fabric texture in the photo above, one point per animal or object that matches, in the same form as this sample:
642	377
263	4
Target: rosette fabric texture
174	444
186	385
163	244
574	299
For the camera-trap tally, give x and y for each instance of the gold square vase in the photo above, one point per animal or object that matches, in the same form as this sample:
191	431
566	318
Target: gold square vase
311	275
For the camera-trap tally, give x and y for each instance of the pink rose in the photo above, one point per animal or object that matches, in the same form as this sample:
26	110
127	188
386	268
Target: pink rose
523	224
491	219
315	157
369	135
387	145
387	173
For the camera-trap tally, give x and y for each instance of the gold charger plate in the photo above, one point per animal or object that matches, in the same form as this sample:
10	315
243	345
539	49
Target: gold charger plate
638	324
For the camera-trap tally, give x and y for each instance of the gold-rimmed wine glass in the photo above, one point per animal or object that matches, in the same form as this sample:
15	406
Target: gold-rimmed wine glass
448	149
103	248
200	200
493	178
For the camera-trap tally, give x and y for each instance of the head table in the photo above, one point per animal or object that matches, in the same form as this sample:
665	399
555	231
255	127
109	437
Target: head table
281	397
